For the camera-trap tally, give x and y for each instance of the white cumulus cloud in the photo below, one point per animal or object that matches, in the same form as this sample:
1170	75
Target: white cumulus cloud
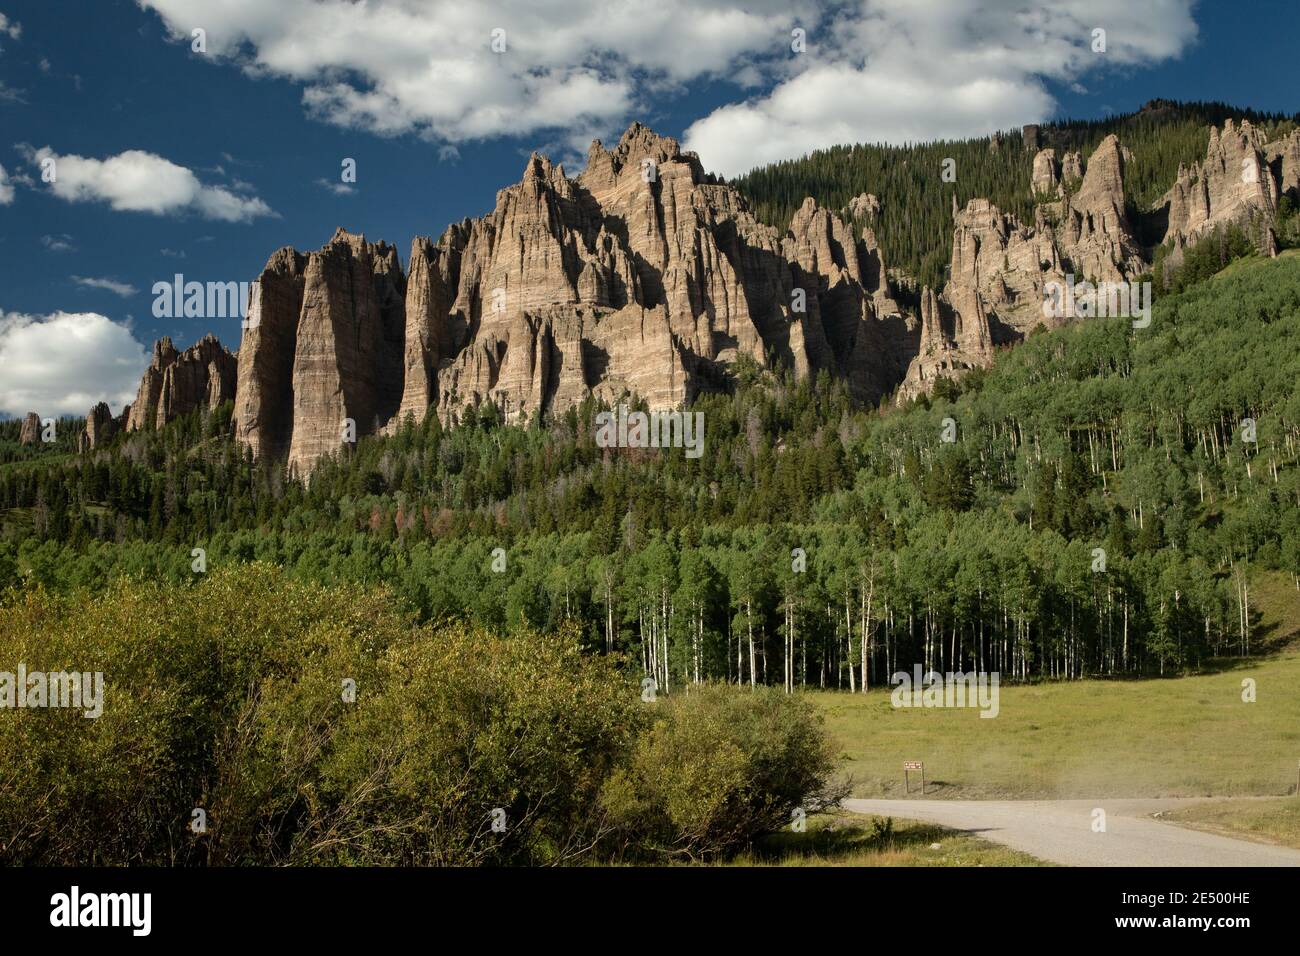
139	181
873	70
6	188
429	67
65	362
895	71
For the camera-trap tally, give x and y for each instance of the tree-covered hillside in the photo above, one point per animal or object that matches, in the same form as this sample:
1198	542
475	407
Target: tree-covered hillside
1109	495
915	223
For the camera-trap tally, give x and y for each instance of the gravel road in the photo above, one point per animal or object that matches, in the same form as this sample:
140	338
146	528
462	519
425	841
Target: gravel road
1061	831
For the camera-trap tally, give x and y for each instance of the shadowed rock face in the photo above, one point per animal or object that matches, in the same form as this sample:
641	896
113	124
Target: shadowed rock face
643	275
264	407
203	376
144	410
100	428
1284	162
430	335
177	383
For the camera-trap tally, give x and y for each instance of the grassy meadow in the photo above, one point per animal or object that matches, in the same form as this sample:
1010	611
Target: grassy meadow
1188	736
1268	819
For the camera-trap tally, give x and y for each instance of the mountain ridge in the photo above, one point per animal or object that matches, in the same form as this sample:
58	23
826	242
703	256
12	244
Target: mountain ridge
645	276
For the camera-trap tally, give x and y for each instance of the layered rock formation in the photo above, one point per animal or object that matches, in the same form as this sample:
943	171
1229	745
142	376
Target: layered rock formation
1234	184
264	409
950	344
321	360
144	410
1046	177
1284	162
863	206
644	276
100	428
640	276
177	383
1001	270
347	354
30	433
1095	236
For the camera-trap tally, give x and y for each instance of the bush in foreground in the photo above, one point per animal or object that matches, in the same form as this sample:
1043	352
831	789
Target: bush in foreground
716	769
227	703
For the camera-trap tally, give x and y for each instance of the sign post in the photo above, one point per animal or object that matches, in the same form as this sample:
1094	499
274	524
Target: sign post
908	766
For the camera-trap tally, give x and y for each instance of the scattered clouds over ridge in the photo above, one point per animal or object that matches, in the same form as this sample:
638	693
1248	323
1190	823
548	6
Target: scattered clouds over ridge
873	70
901	71
427	66
63	363
139	181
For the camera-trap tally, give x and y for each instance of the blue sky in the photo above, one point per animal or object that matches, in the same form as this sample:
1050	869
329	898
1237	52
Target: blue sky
204	163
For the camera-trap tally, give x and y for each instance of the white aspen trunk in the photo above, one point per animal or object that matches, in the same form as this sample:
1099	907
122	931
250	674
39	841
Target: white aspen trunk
749	616
1245	628
609	618
1126	633
865	638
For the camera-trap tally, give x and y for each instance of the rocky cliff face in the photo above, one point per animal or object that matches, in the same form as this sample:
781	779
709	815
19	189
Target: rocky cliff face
346	377
1284	163
1234	184
644	276
640	276
101	426
144	410
1001	270
264	409
1046	177
321	360
177	383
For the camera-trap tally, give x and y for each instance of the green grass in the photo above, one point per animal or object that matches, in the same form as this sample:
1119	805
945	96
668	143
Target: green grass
1190	736
1251	262
1275	596
857	840
1269	820
1185	736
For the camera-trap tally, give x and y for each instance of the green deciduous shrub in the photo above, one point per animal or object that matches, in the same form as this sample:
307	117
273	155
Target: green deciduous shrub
716	769
228	696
